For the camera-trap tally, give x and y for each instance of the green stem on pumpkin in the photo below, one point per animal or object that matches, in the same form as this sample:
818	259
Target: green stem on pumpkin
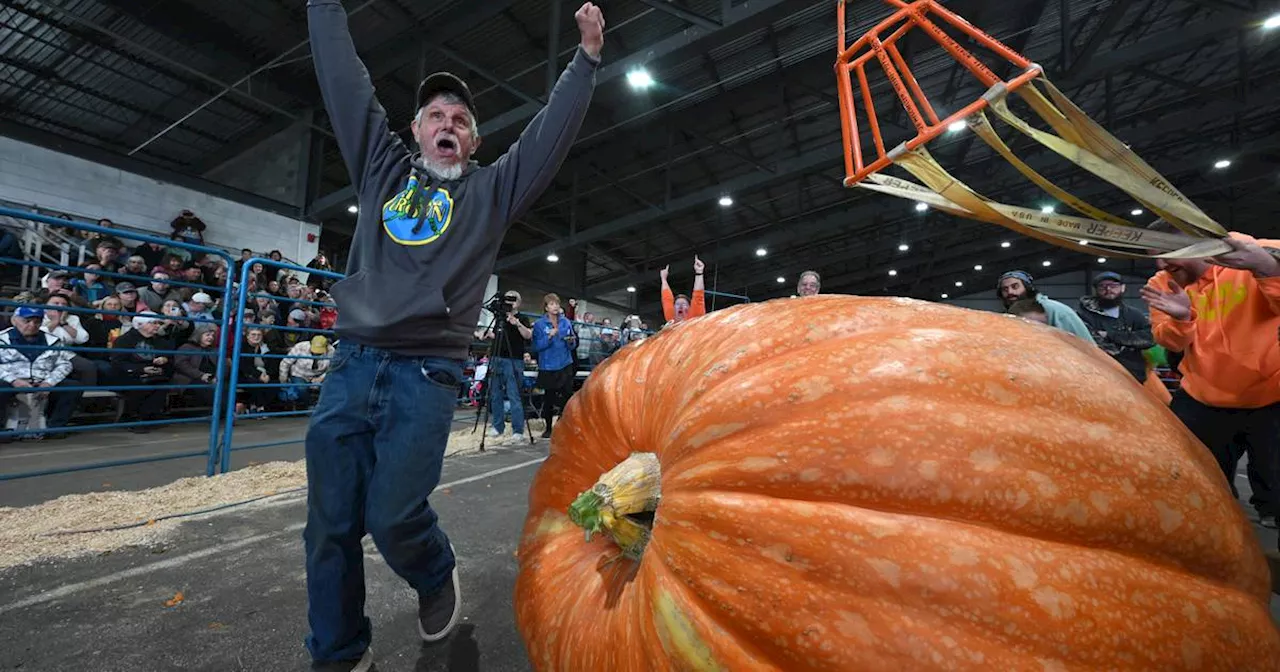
633	486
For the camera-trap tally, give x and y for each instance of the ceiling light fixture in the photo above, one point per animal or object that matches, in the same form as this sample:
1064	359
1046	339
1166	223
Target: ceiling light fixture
959	283
892	272
760	252
353	209
639	79
1136	212
956	126
1006	244
921	207
1046	209
904	247
977	267
632	289
726	201
781	279
1222	163
1272	22
1046	262
945	295
1102	260
553	257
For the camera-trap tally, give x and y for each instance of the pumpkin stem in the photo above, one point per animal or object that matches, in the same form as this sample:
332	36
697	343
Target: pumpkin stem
616	505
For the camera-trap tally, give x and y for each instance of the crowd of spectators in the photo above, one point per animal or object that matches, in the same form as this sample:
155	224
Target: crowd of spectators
148	315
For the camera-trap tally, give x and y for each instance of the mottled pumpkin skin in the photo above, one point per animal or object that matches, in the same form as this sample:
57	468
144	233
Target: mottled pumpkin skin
884	484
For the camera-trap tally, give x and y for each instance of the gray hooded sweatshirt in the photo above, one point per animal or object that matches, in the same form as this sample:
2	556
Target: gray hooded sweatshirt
414	284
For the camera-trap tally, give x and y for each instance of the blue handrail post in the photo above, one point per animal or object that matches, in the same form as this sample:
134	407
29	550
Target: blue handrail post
228	431
242	298
220	381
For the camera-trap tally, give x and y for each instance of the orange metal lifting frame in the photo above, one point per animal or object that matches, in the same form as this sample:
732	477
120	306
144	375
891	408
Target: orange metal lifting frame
854	59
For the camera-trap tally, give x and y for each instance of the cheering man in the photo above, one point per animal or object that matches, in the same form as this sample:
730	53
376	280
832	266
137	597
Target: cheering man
430	222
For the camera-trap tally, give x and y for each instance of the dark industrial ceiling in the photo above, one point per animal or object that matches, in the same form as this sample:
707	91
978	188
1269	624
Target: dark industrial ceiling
744	105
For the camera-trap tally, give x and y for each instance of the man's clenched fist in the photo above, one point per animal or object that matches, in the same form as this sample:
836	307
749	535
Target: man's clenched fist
591	25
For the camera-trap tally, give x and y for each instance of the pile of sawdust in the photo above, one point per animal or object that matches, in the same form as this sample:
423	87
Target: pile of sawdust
34	533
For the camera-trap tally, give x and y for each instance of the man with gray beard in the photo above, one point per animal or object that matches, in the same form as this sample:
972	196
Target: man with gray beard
427	235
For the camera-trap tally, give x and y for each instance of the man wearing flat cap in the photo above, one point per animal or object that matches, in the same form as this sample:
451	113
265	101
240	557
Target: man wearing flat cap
427	234
1121	330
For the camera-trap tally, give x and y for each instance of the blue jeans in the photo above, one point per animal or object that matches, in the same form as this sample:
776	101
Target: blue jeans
374	451
299	389
504	385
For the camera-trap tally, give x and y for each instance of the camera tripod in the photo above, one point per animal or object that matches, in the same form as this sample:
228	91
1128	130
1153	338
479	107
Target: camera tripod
498	326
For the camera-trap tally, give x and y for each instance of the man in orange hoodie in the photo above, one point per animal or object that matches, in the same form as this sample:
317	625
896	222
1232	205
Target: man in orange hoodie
1223	314
680	308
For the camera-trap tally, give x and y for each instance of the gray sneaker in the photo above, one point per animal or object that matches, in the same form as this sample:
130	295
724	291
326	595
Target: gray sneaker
365	664
438	613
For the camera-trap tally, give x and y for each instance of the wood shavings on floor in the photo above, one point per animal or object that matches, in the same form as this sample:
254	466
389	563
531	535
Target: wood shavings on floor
74	525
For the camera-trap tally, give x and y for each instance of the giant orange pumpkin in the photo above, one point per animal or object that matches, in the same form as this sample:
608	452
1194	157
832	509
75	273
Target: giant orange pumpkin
849	483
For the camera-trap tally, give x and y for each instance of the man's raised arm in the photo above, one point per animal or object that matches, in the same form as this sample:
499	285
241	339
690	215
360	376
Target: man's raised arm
533	160
358	120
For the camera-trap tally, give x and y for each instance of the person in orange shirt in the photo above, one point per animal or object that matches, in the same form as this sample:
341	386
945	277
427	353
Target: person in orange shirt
1223	314
678	308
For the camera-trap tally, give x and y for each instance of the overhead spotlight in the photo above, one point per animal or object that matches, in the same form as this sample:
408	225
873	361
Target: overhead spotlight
1006	244
1046	209
553	257
959	283
956	126
760	252
1046	262
945	295
1084	242
639	79
921	207
892	272
904	247
1102	260
353	209
726	201
781	279
1272	22
977	267
632	289
1222	163
1136	212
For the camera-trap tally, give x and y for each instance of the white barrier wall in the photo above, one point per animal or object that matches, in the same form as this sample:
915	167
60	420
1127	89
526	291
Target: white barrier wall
34	175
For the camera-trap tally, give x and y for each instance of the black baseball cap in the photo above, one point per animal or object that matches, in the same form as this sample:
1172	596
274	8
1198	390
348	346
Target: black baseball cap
1107	275
445	82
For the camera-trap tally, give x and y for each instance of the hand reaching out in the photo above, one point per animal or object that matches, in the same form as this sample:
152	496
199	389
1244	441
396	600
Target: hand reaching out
1248	256
698	266
1175	303
591	24
663	273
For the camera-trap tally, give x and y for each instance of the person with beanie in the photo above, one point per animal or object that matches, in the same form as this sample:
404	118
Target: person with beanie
1017	285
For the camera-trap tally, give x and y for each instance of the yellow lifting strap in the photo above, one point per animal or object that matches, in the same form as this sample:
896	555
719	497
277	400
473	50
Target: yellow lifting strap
1083	142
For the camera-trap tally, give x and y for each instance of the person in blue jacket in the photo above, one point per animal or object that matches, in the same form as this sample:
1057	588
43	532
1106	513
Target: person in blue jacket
553	344
429	224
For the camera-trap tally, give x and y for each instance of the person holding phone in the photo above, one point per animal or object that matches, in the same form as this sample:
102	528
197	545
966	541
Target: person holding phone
554	342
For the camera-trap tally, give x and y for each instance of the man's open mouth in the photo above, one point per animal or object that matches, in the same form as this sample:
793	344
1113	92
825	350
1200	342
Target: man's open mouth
446	146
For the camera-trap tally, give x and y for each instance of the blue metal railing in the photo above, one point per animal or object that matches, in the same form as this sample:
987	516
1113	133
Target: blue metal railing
228	432
217	386
232	324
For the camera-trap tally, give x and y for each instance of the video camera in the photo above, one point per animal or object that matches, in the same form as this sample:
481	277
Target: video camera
501	305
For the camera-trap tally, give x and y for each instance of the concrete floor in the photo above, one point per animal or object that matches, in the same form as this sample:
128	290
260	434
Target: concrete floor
241	572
